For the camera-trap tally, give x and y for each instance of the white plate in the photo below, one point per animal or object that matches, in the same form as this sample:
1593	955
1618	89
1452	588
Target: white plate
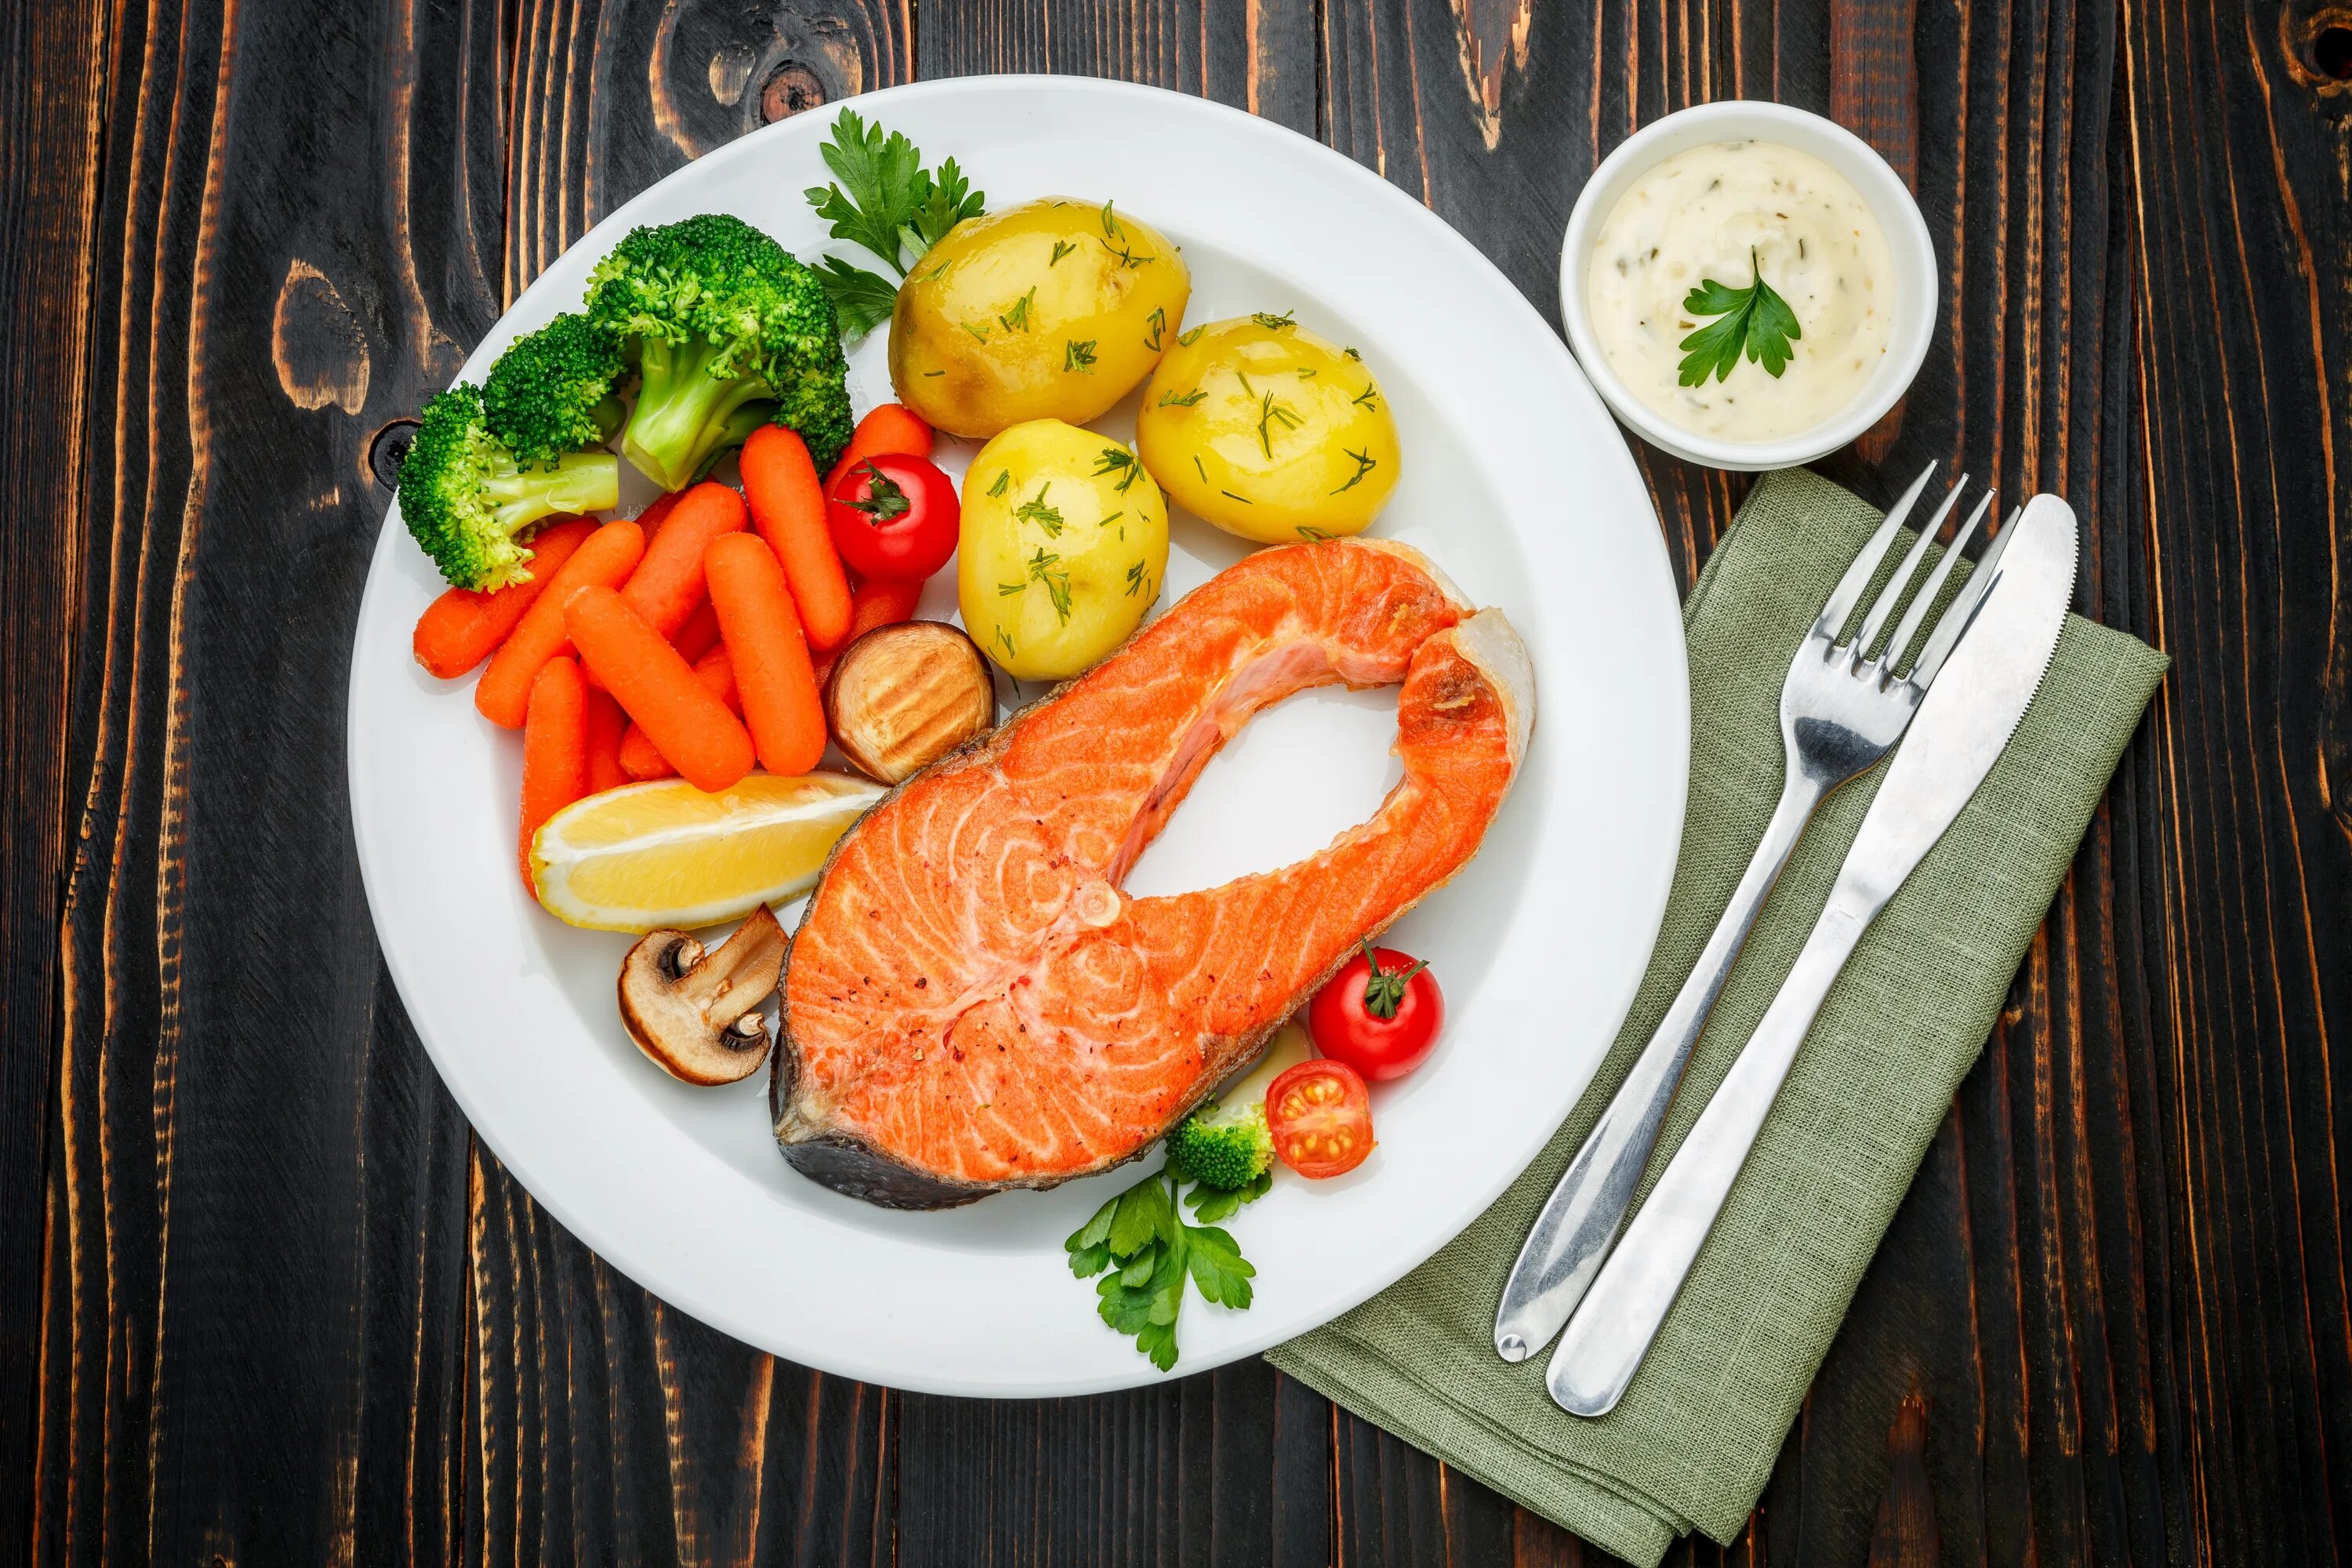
1515	481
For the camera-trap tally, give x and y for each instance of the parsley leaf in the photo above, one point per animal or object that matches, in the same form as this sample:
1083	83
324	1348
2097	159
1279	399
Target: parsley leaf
1754	320
886	186
1219	1271
862	300
1208	1204
1146	1252
949	202
887	203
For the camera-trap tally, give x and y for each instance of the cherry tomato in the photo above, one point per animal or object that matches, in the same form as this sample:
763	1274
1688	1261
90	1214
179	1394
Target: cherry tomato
1381	1018
1320	1115
894	516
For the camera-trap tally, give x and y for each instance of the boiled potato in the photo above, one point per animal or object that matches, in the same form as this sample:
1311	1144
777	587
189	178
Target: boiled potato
1267	430
1064	546
1052	310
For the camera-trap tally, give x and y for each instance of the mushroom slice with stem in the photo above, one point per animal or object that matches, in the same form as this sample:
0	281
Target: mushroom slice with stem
700	1013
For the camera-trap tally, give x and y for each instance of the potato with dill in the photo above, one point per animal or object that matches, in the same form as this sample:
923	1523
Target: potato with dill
1051	309
1063	547
1258	425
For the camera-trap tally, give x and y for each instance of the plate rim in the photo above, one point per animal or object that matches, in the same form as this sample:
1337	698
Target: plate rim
1648	903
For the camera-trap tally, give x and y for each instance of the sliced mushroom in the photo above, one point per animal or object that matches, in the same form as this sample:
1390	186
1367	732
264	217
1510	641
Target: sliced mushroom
902	697
700	1013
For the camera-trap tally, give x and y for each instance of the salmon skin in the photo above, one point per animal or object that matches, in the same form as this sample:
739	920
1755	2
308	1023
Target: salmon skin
972	1003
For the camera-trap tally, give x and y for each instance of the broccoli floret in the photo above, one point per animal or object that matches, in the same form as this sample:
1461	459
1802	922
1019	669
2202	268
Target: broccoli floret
1225	1148
551	393
728	331
470	504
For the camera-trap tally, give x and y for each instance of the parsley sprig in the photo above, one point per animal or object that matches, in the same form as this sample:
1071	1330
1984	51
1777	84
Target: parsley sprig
1141	1237
1753	320
888	203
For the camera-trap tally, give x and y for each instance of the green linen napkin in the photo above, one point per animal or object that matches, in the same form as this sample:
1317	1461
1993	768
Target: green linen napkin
1694	1440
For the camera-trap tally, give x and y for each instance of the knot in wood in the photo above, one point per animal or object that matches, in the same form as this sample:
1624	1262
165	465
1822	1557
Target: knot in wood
387	448
791	88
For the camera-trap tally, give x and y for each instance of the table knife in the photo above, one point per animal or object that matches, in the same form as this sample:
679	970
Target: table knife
1961	728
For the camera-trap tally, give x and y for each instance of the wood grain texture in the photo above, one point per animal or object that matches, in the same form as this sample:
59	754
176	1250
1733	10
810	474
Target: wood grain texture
52	79
253	1265
288	1311
2238	360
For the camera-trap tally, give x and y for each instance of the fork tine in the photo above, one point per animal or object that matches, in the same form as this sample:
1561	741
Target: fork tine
1892	594
1964	606
1857	577
1925	600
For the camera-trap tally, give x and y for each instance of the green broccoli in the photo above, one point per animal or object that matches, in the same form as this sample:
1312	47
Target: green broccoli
550	393
1226	1147
469	503
728	331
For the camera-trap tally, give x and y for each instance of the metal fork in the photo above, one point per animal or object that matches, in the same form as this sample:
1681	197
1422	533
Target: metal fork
1840	710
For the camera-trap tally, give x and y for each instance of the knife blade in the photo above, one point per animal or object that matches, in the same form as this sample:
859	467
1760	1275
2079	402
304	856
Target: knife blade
1962	727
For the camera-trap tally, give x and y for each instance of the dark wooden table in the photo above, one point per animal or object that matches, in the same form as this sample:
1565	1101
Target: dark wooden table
263	1298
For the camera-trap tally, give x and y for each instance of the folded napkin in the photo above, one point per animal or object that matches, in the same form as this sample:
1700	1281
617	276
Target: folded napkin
1694	1440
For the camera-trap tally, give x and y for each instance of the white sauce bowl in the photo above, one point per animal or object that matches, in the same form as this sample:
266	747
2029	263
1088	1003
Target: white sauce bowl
1916	277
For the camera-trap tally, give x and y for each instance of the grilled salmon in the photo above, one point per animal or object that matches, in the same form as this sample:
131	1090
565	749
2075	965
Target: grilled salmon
972	1003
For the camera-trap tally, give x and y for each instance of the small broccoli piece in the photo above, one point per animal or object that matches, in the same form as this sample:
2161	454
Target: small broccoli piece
1225	1148
470	504
551	393
728	331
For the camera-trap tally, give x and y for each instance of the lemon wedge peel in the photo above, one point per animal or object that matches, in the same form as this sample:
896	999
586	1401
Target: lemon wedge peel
663	853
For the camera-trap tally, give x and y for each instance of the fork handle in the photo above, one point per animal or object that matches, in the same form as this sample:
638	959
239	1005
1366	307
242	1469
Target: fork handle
1571	1237
1627	1304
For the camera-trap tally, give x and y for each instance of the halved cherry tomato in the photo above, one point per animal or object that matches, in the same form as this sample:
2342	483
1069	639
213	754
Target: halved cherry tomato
1381	1018
1320	1115
894	516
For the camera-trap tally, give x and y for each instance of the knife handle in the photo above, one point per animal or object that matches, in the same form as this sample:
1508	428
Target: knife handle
1621	1313
1572	1235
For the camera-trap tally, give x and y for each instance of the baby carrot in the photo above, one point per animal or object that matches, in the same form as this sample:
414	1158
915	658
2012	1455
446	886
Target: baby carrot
656	511
604	723
667	583
788	509
605	560
640	758
554	749
465	625
878	602
659	690
697	637
772	660
699	634
892	427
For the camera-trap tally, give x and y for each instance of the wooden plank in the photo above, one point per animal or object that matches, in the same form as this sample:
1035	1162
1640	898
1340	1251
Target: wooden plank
249	1332
602	1423
53	89
2233	194
1257	55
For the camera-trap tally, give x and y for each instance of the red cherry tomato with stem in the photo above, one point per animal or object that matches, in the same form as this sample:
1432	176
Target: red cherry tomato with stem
1320	1116
894	516
1379	1014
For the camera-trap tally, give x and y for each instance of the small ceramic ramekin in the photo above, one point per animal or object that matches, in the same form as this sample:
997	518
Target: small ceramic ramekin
1914	260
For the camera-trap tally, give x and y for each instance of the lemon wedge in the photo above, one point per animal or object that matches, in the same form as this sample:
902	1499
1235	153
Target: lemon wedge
647	856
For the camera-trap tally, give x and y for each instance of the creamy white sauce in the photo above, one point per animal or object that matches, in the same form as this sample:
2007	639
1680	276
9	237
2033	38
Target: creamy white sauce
1697	215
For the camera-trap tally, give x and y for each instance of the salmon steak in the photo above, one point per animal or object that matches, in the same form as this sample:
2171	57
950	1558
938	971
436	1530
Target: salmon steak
972	1004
